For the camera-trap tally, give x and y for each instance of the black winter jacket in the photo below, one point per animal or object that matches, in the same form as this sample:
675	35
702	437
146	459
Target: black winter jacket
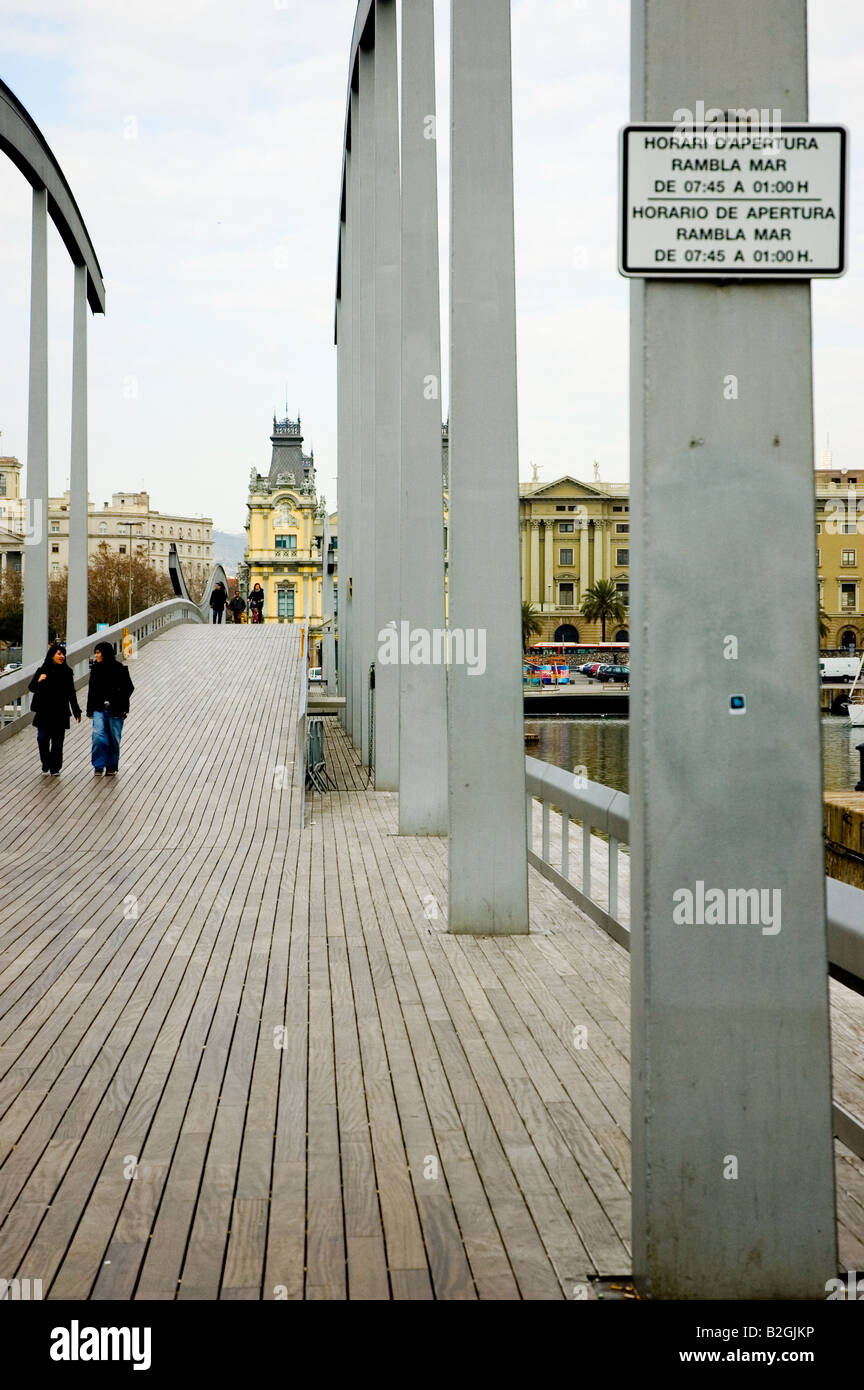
111	684
54	698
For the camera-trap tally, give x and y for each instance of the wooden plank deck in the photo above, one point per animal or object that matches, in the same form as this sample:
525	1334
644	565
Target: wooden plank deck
240	1060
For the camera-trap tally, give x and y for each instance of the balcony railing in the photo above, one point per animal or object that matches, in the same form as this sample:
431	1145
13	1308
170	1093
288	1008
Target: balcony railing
267	556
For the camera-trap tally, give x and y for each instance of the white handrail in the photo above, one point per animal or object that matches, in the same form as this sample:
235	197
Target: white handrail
141	627
606	811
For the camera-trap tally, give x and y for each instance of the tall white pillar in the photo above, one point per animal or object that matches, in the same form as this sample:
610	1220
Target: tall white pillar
388	385
344	370
76	602
364	548
488	856
35	557
732	1153
423	688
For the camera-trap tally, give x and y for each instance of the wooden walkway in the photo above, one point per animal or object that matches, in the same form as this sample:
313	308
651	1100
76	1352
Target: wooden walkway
246	1061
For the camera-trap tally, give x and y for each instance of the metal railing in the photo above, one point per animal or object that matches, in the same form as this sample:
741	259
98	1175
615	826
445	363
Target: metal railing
141	627
300	750
603	817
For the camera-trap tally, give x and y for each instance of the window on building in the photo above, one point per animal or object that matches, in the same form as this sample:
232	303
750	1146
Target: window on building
848	597
565	526
622	528
2	484
286	542
122	549
818	559
818	528
565	595
560	509
285	603
847	557
617	509
55	550
565	557
623	589
55	527
623	557
850	528
55	568
103	528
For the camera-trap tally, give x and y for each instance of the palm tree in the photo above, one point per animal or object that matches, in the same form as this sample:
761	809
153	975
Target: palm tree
824	628
530	624
603	602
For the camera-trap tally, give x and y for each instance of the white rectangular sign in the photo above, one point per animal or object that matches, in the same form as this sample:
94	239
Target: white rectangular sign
725	202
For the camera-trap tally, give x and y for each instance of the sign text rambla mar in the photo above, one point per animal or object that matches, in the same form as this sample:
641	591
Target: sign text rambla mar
724	203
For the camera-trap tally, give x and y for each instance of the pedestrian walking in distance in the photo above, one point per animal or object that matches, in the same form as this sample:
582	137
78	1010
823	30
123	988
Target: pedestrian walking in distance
54	698
218	599
107	705
238	607
256	605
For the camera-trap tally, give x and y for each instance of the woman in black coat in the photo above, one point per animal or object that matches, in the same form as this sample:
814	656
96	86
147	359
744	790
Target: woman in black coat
256	605
107	705
53	688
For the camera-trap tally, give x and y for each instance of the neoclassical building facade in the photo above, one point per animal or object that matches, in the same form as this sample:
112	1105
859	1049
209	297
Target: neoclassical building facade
571	535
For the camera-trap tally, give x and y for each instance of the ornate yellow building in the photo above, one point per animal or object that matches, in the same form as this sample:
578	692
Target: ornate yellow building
285	532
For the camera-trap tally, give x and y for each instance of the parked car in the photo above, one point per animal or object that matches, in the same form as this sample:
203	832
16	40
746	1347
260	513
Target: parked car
621	674
13	666
592	668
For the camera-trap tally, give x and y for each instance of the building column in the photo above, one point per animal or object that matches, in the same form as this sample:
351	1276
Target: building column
549	564
535	561
523	561
35	557
423	688
488	875
584	561
76	603
599	571
733	1184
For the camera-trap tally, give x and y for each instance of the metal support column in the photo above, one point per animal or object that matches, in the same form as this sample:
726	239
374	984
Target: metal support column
388	387
423	687
76	600
366	519
488	855
35	557
732	1155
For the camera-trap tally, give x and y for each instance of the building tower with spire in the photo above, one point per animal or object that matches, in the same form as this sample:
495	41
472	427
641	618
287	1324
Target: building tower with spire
284	530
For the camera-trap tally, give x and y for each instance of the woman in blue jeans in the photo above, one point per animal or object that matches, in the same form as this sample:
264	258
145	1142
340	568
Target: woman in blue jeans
107	705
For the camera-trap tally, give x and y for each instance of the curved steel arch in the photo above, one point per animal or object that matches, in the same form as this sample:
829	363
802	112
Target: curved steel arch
24	143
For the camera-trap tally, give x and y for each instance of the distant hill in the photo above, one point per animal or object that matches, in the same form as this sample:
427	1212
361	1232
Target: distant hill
228	549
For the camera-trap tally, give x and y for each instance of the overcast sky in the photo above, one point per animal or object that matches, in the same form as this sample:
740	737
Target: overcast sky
202	140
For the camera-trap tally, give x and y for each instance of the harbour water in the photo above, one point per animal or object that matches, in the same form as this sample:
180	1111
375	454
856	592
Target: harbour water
600	746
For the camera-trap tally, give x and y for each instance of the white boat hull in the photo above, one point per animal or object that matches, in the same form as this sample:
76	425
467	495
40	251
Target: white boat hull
856	715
